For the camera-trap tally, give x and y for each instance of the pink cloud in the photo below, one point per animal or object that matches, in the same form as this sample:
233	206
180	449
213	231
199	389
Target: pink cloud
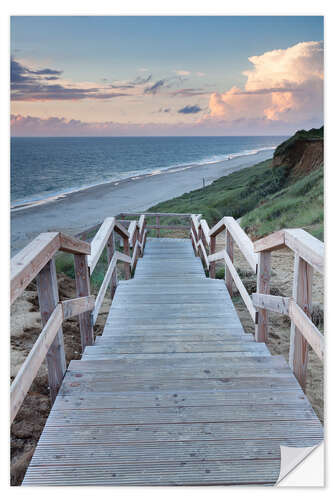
284	84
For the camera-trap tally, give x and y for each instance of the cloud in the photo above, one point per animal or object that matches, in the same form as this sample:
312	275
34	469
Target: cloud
189	92
33	85
153	89
182	72
284	84
199	73
190	109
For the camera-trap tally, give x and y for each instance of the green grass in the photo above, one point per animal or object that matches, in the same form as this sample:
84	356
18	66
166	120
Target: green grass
299	205
234	195
263	196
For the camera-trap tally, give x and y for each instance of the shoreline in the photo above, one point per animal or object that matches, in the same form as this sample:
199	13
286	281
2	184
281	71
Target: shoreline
78	210
26	203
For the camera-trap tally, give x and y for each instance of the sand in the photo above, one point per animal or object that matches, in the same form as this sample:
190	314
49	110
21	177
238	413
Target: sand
83	209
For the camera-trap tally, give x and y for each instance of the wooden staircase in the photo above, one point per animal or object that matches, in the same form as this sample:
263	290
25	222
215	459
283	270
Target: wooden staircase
174	392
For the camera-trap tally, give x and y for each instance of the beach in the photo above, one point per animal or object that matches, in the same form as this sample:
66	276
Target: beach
74	212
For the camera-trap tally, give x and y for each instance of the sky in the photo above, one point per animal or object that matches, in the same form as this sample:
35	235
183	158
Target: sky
173	76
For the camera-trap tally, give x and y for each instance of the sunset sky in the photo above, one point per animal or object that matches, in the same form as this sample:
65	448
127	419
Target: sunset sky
94	76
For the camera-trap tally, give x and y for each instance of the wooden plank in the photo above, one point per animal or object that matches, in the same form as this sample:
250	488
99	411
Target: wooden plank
263	286
212	265
110	250
73	245
307	247
216	256
48	297
241	288
158	226
204	254
73	307
154	214
274	241
243	241
302	294
32	363
94	400
218	228
131	230
161	226
99	242
103	287
162	433
121	230
229	250
251	472
122	257
308	330
205	230
126	255
26	264
272	303
82	280
135	255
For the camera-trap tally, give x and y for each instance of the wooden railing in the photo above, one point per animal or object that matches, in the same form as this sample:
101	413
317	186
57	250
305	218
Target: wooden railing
134	237
158	226
204	244
309	255
37	260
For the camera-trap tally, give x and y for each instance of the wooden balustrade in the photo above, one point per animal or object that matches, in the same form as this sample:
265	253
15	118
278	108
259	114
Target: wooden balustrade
36	260
309	255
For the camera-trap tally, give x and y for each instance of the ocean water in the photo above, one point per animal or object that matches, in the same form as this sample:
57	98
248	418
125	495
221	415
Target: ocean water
45	167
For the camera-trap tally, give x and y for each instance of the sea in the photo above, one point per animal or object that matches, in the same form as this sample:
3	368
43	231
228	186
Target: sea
43	168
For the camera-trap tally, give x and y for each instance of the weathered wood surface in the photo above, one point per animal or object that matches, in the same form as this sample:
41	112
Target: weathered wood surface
32	363
301	242
99	242
26	264
273	303
174	392
263	286
48	298
73	307
82	280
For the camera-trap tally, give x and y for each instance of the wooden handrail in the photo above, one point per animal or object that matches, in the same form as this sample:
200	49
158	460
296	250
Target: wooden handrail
288	306
36	356
27	263
99	241
308	255
304	244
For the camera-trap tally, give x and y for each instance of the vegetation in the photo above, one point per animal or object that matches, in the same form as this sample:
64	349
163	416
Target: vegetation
266	197
312	134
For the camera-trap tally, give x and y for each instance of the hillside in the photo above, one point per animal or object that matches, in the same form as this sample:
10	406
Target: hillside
286	191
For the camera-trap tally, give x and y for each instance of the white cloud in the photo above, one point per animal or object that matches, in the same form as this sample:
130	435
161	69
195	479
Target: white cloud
182	72
284	84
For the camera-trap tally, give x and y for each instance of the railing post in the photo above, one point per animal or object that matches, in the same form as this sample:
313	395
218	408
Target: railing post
48	297
229	248
263	286
196	253
157	224
82	279
110	249
302	294
126	264
212	266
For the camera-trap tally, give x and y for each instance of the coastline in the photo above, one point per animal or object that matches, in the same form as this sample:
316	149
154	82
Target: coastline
80	209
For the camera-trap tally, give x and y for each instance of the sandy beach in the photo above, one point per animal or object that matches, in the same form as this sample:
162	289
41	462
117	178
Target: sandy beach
77	211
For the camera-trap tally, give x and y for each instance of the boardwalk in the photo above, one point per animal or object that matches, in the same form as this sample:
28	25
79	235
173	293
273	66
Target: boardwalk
174	392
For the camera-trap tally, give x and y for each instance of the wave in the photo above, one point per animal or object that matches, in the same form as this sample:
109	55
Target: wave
119	177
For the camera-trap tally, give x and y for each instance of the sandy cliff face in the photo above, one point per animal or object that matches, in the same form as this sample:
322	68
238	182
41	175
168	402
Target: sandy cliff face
301	157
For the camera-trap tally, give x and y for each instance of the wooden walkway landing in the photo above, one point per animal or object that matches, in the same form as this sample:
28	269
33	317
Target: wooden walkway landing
174	392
